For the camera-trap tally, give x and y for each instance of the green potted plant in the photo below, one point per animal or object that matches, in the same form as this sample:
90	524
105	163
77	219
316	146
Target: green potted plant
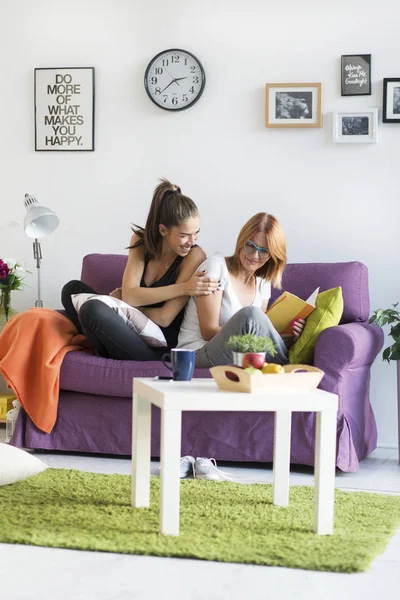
389	316
256	344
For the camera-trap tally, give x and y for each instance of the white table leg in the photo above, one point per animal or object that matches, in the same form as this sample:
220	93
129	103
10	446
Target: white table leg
171	425
324	471
281	465
141	449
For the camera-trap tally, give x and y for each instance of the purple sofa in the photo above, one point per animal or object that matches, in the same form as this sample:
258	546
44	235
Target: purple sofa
94	413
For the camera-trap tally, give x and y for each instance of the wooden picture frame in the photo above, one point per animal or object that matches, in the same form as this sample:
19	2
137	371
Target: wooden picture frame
64	109
356	75
355	127
391	100
293	105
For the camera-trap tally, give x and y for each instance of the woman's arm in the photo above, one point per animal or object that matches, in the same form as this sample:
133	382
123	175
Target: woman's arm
208	310
166	314
186	284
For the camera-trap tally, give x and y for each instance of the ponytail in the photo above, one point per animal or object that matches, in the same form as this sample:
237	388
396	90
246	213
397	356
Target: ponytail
168	207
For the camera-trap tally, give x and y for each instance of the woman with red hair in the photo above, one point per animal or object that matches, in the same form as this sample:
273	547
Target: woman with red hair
239	306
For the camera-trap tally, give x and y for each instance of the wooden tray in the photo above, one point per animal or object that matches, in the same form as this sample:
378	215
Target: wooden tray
297	378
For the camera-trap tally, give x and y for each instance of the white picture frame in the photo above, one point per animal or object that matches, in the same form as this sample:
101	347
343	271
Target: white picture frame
64	109
355	127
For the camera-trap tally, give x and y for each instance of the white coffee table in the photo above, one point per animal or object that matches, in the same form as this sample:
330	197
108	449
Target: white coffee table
172	397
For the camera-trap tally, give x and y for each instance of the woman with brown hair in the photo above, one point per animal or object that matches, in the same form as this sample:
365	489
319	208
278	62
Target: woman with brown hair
239	306
159	278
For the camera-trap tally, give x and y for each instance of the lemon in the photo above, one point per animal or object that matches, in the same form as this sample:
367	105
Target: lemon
272	368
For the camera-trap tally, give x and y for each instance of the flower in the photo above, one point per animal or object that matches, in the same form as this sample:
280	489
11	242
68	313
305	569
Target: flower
4	269
12	275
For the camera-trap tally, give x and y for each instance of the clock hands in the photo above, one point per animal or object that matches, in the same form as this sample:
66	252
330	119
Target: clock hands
167	86
173	81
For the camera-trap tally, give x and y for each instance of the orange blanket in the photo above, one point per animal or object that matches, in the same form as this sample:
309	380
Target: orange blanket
32	347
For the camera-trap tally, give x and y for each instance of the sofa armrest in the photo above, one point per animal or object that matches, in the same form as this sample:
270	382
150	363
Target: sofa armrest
345	354
350	345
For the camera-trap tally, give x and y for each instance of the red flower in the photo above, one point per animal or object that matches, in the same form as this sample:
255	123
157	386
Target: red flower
4	270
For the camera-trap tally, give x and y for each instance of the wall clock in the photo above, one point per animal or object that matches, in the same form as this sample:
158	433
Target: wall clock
174	79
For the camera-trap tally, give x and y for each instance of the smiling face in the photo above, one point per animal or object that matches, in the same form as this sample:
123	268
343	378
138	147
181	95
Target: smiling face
252	261
181	238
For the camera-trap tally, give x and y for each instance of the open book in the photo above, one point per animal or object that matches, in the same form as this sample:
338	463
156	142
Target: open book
288	308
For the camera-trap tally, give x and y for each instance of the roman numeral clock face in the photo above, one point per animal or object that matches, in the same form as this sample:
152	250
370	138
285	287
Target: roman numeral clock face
174	79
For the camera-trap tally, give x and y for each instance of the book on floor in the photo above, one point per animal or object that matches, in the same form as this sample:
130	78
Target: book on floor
288	308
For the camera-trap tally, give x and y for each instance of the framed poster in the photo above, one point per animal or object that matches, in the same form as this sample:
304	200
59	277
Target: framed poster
391	100
64	109
293	105
356	127
356	74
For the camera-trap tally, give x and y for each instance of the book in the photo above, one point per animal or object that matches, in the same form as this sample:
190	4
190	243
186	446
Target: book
288	308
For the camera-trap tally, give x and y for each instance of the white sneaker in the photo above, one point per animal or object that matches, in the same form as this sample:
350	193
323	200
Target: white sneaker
206	468
187	466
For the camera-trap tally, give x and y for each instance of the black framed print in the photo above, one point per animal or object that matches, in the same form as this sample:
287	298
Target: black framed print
64	109
356	74
391	100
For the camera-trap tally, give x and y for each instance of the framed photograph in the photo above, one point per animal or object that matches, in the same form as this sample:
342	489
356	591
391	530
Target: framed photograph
293	105
356	127
391	100
64	109
356	74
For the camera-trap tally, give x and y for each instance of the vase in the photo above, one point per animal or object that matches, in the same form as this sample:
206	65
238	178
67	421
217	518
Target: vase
238	357
5	303
6	310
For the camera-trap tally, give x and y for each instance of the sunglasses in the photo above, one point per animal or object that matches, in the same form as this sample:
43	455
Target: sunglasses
250	247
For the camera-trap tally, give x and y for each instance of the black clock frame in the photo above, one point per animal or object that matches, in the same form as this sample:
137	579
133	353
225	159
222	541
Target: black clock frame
202	74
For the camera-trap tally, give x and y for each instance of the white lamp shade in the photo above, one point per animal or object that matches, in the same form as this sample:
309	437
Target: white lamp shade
39	220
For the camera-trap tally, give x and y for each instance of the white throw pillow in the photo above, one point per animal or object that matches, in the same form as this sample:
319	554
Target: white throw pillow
16	464
147	329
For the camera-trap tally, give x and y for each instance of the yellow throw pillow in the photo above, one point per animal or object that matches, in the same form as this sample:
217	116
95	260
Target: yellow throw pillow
328	312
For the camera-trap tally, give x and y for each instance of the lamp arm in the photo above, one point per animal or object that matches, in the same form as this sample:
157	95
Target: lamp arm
37	254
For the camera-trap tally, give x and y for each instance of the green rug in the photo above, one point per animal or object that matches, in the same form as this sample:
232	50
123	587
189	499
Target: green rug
220	521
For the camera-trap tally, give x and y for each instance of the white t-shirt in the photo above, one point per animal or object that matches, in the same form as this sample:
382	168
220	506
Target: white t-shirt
190	335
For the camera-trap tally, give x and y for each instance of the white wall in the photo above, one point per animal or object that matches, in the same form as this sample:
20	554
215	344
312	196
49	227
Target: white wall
337	202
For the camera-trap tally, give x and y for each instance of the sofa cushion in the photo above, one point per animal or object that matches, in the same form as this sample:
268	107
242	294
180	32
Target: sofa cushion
84	372
149	331
328	311
103	272
302	279
16	465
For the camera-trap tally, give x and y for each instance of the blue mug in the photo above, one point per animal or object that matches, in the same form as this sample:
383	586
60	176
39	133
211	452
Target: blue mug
182	363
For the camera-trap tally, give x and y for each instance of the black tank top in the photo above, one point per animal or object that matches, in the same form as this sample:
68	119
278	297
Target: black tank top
169	278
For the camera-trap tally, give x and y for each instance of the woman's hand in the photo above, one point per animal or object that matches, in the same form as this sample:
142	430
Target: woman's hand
117	293
199	285
297	329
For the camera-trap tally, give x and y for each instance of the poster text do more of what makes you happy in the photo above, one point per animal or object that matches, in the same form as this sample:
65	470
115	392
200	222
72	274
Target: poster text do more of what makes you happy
64	109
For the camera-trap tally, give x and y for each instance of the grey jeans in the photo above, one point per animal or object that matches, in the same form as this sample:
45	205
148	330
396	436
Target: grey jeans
247	320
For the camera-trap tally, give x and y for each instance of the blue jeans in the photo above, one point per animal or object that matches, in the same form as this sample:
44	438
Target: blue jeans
247	320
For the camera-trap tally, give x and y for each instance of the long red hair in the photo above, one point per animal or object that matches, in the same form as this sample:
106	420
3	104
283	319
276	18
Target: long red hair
275	241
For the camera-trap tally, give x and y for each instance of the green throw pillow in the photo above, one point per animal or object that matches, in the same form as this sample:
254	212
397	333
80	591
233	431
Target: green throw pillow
328	312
